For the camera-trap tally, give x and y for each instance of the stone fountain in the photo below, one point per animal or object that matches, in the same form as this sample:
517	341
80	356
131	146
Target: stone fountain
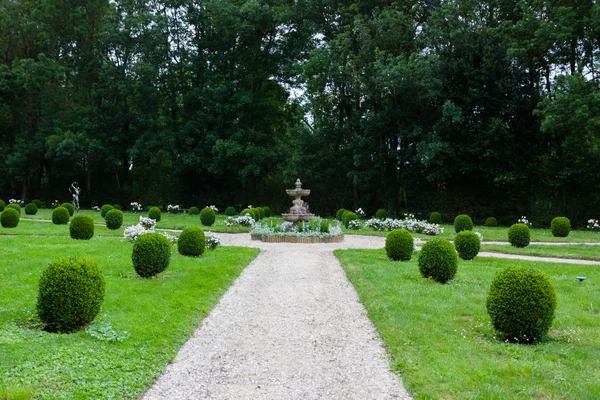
298	212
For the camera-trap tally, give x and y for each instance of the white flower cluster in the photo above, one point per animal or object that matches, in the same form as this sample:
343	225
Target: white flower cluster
146	225
360	213
172	239
524	220
55	203
243	220
410	223
593	225
354	225
213	241
173	208
214	208
135	206
95	208
15	201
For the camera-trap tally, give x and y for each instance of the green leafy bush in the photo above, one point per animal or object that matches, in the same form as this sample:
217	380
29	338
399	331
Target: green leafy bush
467	244
105	208
38	203
154	213
438	260
207	216
399	245
268	212
69	207
435	218
381	214
192	241
194	211
60	216
255	214
117	207
521	304
248	212
491	221
261	212
31	209
2	205
560	227
71	292
230	211
339	215
15	206
463	223
518	235
324	226
82	227
349	216
114	219
151	254
9	218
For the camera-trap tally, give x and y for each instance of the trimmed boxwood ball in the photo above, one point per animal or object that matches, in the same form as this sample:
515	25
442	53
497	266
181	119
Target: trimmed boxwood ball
521	304
114	219
117	207
467	244
518	235
69	207
255	214
207	216
435	218
230	211
151	254
70	294
349	216
261	212
381	214
491	221
15	206
339	215
154	213
438	260
191	242
267	211
399	245
247	212
560	227
2	205
31	209
194	211
82	227
104	209
9	218
38	203
463	223
60	216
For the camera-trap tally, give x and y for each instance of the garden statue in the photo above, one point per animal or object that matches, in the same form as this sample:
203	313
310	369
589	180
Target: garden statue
299	212
74	189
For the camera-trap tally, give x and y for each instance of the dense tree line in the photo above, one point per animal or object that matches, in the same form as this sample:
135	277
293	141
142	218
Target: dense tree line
485	107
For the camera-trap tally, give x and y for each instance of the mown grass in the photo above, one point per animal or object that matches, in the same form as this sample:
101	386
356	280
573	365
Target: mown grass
141	326
583	251
441	342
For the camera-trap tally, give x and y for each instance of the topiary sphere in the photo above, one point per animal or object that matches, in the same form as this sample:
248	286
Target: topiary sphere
117	207
69	207
38	203
247	212
518	235
9	218
261	212
207	216
70	295
491	221
194	211
230	211
267	211
399	245
467	244
114	219
463	223
31	209
348	216
151	254
15	206
60	216
2	205
255	214
560	227
191	242
339	215
521	304
105	208
154	213
82	227
381	214
438	260
435	218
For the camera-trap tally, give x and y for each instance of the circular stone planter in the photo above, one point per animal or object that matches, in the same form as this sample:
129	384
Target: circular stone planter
294	239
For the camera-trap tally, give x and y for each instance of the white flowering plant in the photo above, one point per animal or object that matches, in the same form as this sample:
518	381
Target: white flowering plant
95	208
354	225
524	220
173	208
135	206
317	227
213	241
214	208
242	220
410	223
55	203
361	214
15	201
172	239
593	225
146	225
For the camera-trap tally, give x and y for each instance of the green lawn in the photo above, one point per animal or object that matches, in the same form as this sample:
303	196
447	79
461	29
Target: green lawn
141	326
586	252
441	342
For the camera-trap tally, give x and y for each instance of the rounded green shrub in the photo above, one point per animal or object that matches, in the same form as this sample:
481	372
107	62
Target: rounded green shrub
248	212
15	206
255	214
463	223
69	207
9	218
105	208
154	213
31	209
560	227
435	218
267	212
2	205
467	244
151	254
194	211
491	221
438	260
82	227
230	211
192	241
518	235
38	203
349	216
71	292
521	304
207	216
339	215
261	212
399	245
60	216
117	207
114	219
381	214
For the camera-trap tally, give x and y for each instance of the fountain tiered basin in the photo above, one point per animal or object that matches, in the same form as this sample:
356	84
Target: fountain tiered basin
298	212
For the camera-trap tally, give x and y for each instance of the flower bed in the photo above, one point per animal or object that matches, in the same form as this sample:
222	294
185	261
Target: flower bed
314	231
